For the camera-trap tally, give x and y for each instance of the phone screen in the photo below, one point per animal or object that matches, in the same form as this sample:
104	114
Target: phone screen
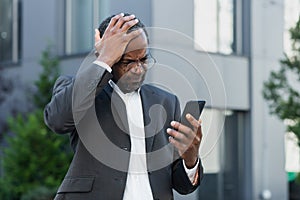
194	108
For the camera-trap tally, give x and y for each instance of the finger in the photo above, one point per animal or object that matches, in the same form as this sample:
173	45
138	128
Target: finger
127	25
197	126
114	20
121	21
199	133
183	129
178	136
178	145
195	123
97	36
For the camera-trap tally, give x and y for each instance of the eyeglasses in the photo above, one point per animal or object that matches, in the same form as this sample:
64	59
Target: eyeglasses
146	62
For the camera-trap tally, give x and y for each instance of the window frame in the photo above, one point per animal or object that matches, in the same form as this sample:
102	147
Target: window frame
98	14
238	30
16	36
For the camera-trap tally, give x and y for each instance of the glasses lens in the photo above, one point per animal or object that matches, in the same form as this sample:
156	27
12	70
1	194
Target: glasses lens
149	62
146	63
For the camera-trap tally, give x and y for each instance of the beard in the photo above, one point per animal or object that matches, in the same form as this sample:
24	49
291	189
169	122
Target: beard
130	84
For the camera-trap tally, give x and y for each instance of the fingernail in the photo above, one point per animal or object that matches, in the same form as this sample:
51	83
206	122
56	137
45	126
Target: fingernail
122	14
136	20
168	130
188	115
173	123
133	16
96	30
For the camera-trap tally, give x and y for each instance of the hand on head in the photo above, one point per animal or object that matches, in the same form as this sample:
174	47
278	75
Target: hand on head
111	45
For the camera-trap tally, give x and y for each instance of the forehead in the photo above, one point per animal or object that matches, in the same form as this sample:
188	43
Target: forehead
137	46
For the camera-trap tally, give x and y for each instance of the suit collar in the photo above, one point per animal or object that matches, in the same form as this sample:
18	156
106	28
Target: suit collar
148	100
118	108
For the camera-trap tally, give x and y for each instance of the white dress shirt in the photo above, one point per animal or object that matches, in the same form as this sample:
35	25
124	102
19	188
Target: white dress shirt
138	184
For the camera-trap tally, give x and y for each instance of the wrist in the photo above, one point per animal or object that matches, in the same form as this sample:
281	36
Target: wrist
106	60
191	163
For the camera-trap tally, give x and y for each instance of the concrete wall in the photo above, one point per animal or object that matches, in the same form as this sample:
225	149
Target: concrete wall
267	132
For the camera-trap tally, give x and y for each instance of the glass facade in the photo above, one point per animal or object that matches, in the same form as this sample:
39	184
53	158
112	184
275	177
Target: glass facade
214	25
81	18
224	179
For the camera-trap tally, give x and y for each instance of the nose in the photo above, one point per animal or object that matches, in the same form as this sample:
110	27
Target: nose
138	68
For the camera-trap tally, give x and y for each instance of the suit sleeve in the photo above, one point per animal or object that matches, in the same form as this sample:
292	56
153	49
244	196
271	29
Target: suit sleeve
73	96
180	180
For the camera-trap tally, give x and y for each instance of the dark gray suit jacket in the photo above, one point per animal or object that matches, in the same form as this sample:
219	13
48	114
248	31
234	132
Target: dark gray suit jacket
91	179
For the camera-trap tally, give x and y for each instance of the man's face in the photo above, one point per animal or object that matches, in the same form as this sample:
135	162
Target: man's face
129	73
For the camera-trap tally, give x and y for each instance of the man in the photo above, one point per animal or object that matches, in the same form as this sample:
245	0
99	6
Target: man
145	165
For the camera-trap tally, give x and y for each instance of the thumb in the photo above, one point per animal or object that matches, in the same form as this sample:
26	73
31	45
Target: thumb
97	36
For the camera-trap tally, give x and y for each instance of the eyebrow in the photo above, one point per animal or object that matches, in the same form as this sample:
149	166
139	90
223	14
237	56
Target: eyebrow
128	59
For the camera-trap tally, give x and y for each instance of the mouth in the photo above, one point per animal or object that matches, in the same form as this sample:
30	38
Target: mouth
136	79
135	84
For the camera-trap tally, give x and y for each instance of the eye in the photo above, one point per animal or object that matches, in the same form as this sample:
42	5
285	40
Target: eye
144	59
126	62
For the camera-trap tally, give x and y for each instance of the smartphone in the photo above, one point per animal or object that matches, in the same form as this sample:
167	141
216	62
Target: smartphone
194	108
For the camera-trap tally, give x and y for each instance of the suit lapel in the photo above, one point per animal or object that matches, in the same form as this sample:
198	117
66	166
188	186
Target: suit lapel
118	109
150	126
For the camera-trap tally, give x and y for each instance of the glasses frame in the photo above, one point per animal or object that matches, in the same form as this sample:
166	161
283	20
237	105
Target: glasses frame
126	65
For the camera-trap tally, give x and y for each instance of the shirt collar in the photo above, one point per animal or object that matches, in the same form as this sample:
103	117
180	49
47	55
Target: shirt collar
119	91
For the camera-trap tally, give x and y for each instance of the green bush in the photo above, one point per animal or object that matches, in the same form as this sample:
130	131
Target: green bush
39	193
35	159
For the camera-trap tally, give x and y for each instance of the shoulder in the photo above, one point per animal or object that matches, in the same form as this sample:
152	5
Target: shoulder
64	79
62	82
158	91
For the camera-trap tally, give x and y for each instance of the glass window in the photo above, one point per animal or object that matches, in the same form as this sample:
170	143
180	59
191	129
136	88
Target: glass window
9	28
223	165
214	25
82	17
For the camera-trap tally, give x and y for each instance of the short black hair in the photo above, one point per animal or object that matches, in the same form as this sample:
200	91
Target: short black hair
102	27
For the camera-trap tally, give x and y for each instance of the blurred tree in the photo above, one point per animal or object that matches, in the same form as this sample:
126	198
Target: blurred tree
46	79
282	89
35	157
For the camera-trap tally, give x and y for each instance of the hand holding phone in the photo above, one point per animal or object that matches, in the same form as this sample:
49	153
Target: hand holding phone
188	142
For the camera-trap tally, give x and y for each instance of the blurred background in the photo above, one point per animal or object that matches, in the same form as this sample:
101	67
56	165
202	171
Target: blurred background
253	47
